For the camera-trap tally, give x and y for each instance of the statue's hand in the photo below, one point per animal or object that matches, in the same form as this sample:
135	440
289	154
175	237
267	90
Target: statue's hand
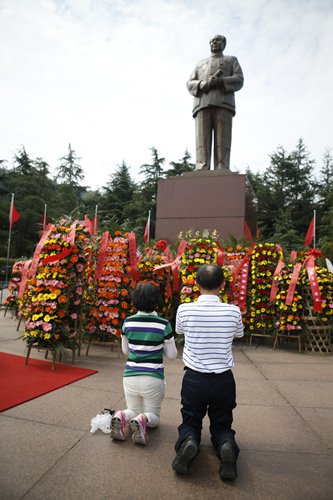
203	85
213	82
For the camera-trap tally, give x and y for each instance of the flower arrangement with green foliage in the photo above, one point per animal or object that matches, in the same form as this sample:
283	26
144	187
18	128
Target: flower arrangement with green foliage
232	260
156	256
200	249
261	313
52	302
11	300
288	317
112	300
325	282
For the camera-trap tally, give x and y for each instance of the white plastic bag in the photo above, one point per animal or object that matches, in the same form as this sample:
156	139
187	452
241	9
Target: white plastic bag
102	421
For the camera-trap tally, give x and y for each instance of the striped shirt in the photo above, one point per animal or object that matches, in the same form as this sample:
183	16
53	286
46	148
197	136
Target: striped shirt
209	326
146	335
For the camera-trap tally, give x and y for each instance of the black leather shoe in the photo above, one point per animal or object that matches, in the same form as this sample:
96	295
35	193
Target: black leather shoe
227	454
187	451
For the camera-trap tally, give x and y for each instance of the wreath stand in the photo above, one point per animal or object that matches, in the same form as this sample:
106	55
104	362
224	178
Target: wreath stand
288	337
105	343
261	335
317	339
36	346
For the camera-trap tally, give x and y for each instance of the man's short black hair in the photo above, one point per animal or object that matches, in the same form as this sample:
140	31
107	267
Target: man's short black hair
146	297
210	276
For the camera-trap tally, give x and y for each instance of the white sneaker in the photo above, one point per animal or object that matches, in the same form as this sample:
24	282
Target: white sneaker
139	428
118	424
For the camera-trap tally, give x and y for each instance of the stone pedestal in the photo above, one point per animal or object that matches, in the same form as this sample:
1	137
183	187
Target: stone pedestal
205	200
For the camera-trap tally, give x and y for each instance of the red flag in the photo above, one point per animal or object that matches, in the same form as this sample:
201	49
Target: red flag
13	214
247	232
310	234
147	228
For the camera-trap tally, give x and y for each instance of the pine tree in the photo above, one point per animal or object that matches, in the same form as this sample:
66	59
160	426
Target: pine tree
284	231
28	180
23	164
70	194
183	165
287	183
147	194
70	172
325	184
117	202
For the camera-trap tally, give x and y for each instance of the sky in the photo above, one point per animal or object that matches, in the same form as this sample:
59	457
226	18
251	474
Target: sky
109	77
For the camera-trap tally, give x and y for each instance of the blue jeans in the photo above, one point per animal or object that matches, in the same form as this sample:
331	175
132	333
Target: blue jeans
214	393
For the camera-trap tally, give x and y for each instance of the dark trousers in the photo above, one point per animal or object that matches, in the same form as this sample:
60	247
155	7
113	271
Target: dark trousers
212	392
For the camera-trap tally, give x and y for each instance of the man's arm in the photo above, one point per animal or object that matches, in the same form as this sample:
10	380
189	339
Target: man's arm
239	328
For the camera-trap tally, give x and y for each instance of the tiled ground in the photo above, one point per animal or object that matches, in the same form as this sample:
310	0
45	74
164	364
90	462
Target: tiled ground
283	422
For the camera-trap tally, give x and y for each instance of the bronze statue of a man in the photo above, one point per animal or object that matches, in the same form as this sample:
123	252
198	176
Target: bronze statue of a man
213	83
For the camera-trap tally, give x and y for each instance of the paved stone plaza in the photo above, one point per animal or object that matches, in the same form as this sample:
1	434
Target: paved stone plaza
283	423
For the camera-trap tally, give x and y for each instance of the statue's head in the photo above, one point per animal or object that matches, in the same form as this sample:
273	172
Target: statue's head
218	43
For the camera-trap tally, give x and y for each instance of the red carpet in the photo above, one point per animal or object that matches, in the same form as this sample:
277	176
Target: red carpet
20	382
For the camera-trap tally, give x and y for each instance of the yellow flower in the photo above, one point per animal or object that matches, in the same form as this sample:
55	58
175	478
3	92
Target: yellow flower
35	317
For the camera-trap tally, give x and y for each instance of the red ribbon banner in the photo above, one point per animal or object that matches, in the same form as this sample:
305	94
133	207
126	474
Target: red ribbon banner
274	288
235	270
132	256
220	255
67	251
35	258
72	233
101	255
175	264
293	255
312	275
57	256
279	248
181	247
88	225
24	277
243	285
293	283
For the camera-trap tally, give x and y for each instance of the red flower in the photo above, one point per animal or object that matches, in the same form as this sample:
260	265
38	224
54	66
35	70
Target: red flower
161	245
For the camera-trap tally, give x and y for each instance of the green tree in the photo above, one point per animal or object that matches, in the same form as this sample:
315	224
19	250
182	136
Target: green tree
146	196
117	202
28	180
326	240
288	184
23	164
325	183
70	172
183	165
284	231
69	175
